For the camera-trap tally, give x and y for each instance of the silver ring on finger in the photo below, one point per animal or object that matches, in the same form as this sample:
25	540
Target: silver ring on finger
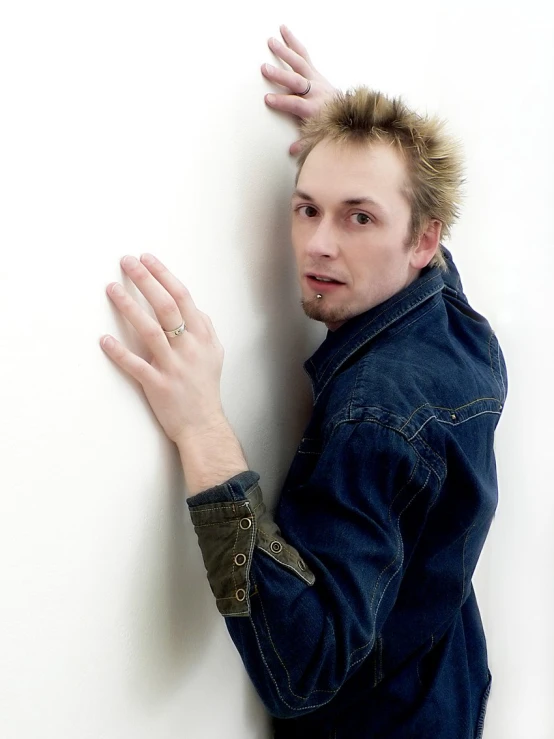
306	91
176	331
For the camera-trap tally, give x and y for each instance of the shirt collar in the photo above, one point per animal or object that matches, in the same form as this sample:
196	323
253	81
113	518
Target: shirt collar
341	344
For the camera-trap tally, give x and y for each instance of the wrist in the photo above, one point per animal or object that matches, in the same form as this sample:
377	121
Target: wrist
209	425
210	455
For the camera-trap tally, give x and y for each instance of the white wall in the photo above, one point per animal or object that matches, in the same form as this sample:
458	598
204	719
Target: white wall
140	126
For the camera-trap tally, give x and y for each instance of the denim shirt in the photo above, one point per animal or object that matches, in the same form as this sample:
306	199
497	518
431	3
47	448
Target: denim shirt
352	607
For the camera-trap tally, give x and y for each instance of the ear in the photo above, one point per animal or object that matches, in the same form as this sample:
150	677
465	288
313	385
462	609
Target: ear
427	245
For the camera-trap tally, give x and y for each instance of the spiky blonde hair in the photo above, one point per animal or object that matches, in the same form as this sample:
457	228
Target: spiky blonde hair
433	158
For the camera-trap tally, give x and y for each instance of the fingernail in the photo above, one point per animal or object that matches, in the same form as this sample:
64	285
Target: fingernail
269	68
270	99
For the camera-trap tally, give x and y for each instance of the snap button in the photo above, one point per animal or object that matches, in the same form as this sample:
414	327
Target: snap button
245	523
301	564
240	594
240	559
276	547
453	415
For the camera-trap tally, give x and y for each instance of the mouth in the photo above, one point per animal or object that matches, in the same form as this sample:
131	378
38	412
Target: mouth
323	285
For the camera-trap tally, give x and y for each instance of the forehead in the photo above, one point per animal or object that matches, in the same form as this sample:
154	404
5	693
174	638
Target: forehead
333	173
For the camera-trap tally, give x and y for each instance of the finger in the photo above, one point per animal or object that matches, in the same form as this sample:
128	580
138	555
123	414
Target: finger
165	307
150	267
293	59
297	147
147	328
288	104
133	365
295	82
293	43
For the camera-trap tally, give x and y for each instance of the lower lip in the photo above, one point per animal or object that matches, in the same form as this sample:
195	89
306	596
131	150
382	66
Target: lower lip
323	286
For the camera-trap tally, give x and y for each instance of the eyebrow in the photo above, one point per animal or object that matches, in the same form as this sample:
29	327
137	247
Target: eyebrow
348	201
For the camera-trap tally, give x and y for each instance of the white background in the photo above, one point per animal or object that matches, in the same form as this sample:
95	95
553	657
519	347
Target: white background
140	126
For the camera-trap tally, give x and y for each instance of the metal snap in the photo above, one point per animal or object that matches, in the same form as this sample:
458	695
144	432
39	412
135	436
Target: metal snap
301	564
245	523
240	559
276	547
240	594
452	415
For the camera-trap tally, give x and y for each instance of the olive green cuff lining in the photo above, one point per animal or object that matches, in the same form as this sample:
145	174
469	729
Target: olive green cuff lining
229	532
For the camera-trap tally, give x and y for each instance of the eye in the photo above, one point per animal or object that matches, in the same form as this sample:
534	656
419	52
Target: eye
308	208
362	215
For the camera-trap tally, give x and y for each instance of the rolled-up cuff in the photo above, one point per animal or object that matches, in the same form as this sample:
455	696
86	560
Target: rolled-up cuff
228	532
234	489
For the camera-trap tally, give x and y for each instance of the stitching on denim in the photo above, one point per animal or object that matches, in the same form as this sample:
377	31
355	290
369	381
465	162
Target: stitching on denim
285	564
353	349
491	337
399	549
501	383
399	299
303	697
464	562
483	711
434	303
451	423
443	408
393	501
500	368
475	415
419	429
426	464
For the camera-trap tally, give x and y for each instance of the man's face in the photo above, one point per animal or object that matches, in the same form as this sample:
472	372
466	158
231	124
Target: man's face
363	245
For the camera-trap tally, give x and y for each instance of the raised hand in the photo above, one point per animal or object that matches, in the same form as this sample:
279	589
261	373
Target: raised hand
182	379
303	71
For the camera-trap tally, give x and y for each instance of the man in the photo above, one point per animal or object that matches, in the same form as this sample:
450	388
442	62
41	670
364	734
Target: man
352	608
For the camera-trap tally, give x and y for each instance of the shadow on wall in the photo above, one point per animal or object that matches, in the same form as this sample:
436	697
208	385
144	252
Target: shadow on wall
171	609
172	614
289	336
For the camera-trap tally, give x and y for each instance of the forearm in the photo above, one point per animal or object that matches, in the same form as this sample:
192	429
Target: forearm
210	457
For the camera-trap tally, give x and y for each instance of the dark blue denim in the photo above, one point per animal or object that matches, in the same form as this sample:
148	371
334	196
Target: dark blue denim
388	501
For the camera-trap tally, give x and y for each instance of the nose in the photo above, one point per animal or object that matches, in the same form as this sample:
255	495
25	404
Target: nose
322	241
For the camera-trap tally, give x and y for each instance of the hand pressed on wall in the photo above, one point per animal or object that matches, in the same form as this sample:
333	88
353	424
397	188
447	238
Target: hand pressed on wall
296	56
182	381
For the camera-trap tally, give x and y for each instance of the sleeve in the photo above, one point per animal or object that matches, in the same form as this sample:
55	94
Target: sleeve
304	601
